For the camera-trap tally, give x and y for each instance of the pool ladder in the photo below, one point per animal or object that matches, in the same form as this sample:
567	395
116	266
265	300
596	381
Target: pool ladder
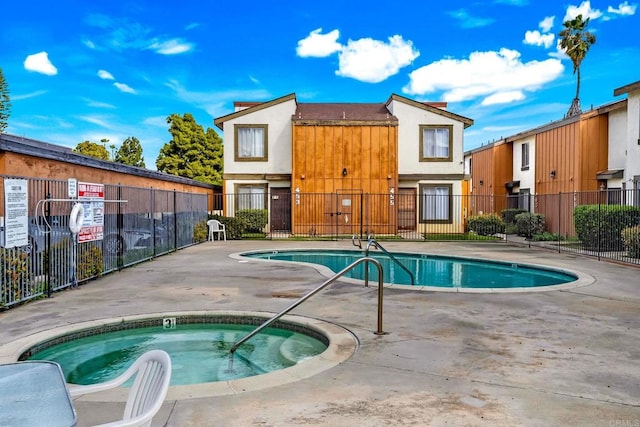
366	260
372	242
341	273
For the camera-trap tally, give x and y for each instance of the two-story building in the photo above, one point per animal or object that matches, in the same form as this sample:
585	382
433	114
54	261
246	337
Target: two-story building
345	168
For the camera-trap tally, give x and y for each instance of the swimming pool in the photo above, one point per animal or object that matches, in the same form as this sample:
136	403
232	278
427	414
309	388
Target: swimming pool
199	348
429	270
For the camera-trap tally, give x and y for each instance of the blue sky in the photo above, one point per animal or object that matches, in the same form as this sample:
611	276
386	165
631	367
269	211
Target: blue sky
80	70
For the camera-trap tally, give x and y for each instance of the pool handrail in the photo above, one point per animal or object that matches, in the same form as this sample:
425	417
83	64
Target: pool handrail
373	242
315	291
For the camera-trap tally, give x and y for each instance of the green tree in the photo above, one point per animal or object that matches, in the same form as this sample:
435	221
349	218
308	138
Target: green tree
130	153
5	103
93	149
576	41
192	152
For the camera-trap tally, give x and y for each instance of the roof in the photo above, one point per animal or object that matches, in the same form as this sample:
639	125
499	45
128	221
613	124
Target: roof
44	150
627	88
376	112
432	107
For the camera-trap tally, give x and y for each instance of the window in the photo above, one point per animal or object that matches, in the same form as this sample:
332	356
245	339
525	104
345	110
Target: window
525	157
524	199
435	203
251	196
251	143
436	143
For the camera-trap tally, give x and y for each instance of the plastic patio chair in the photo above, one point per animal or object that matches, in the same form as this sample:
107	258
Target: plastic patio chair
152	373
217	227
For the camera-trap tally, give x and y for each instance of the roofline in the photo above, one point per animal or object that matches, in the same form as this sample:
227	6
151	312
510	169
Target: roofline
219	122
627	88
465	120
31	147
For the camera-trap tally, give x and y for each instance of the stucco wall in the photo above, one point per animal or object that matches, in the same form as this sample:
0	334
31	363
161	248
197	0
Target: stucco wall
410	118
633	138
526	177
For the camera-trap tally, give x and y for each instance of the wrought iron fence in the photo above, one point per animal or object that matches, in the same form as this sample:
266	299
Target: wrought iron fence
151	223
551	221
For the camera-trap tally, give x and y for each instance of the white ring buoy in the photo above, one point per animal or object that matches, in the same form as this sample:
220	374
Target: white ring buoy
76	218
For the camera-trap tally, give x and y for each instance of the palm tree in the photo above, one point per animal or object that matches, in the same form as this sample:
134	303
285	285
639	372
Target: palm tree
576	43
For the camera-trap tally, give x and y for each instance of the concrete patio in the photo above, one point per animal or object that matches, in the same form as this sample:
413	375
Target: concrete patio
564	357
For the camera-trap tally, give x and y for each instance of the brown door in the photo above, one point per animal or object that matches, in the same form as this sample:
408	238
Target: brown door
280	209
407	208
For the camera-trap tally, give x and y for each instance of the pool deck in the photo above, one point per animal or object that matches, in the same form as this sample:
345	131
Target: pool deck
558	357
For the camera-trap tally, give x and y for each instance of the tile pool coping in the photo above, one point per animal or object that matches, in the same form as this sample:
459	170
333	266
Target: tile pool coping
341	344
582	279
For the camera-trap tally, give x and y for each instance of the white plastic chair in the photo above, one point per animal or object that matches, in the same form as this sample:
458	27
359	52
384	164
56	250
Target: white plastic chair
147	394
217	227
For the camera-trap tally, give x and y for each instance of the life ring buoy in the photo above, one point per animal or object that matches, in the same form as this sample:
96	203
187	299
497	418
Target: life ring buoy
76	218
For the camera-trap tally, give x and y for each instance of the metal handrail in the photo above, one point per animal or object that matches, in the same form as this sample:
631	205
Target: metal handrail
315	291
390	255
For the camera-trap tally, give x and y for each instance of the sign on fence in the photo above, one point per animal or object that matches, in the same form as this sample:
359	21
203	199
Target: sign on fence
16	207
92	198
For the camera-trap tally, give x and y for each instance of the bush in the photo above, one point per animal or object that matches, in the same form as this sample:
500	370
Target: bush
509	215
528	224
234	227
486	225
256	219
600	226
16	276
200	232
547	237
631	241
89	261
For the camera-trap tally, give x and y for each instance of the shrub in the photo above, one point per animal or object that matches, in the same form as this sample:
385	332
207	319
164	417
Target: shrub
486	225
200	232
528	224
600	226
509	215
89	261
16	276
256	219
631	241
235	227
547	237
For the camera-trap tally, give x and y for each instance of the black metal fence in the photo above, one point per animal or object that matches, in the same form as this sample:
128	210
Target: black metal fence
443	217
139	224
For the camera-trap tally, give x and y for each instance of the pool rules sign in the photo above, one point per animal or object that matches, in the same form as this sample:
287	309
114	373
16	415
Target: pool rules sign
92	198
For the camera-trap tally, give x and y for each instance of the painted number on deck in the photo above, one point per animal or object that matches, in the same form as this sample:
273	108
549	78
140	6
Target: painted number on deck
169	323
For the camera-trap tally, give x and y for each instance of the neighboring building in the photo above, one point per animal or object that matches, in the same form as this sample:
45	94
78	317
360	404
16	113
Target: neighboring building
28	158
332	167
581	159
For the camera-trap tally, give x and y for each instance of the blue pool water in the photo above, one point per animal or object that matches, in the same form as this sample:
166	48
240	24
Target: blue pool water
199	352
429	270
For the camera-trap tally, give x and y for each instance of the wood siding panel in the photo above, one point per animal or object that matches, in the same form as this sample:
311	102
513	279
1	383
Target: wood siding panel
321	152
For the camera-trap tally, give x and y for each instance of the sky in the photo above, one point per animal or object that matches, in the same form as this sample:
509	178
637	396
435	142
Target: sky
80	70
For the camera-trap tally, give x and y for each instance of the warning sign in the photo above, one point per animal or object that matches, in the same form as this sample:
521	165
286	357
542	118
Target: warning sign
92	198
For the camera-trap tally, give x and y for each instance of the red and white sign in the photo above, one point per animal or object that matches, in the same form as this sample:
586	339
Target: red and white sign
92	198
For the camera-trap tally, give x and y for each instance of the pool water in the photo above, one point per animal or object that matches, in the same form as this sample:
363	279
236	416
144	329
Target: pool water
429	270
199	352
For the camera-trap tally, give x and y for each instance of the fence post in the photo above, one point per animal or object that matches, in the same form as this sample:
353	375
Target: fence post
559	218
175	221
119	227
47	249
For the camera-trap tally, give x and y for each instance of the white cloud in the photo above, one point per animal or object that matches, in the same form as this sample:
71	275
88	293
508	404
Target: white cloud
466	20
88	43
124	87
623	9
494	76
28	95
98	104
157	121
171	47
584	9
503	97
535	38
192	26
96	120
39	62
103	74
319	45
373	61
546	24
